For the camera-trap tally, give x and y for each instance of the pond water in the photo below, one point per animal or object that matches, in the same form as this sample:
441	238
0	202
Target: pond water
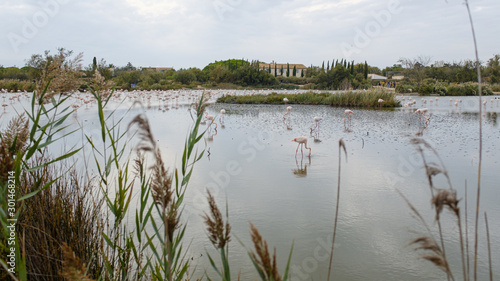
251	163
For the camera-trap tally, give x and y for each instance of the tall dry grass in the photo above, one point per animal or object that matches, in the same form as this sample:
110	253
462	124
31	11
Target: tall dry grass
66	213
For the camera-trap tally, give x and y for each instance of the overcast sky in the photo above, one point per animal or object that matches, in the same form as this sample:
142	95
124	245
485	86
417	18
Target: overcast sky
193	33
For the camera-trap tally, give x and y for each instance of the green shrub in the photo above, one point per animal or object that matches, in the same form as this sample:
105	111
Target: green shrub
429	81
440	89
405	88
467	89
426	89
495	87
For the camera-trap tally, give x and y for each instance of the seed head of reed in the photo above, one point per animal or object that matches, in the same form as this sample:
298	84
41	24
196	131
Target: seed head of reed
443	198
219	234
101	86
161	182
17	131
436	256
73	267
262	257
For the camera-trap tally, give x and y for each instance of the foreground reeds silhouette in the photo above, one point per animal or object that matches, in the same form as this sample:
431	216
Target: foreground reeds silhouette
442	199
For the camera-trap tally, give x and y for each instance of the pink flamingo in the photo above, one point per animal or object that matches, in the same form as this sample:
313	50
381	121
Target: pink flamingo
210	118
302	142
380	101
316	123
422	112
288	109
347	114
222	112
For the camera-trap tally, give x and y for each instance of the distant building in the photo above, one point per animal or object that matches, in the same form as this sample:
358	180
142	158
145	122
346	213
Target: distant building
377	77
398	77
299	68
157	69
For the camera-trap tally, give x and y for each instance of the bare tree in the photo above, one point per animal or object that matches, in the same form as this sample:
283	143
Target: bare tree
415	68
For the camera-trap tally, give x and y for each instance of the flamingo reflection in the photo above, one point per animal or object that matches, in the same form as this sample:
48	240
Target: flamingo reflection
301	170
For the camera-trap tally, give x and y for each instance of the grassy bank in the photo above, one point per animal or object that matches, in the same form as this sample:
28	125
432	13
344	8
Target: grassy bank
345	99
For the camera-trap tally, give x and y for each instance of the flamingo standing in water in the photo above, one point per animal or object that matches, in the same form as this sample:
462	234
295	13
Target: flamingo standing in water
422	112
288	109
222	112
316	123
380	101
210	118
347	114
302	142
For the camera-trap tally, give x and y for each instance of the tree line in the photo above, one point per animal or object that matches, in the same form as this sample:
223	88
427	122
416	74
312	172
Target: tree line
234	73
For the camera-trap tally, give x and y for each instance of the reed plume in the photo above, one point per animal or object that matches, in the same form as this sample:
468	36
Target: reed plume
445	198
12	140
219	233
436	256
441	198
266	266
161	182
72	267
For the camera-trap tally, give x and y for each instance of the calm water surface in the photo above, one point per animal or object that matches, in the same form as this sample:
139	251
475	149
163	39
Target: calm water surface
252	166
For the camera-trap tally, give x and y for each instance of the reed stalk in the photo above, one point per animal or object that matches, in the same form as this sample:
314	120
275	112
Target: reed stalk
478	67
341	145
490	267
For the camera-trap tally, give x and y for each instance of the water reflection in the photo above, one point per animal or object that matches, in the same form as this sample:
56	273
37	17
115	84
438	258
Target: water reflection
287	124
492	117
211	134
316	137
301	170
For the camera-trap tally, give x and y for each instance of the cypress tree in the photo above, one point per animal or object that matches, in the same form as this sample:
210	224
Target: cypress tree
287	70
336	63
94	64
281	72
275	70
345	64
342	62
294	70
352	67
323	66
302	73
366	70
269	68
328	66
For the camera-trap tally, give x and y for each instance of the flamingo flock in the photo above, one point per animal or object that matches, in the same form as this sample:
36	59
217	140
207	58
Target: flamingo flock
171	99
